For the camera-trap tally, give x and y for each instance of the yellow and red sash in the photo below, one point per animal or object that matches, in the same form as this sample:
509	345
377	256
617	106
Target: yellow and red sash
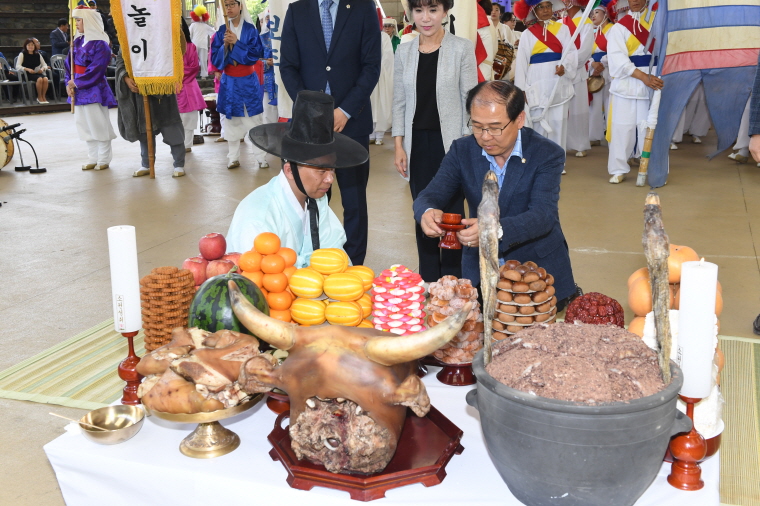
600	40
572	25
639	32
547	39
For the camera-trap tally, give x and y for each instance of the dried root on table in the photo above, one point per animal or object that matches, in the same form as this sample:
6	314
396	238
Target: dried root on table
196	372
447	296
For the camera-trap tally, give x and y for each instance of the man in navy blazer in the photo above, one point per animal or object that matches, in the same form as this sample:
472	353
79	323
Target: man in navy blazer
528	167
348	69
59	38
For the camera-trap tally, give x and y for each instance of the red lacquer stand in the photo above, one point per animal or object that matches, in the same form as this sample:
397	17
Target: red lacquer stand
424	449
451	223
128	372
455	375
278	403
687	450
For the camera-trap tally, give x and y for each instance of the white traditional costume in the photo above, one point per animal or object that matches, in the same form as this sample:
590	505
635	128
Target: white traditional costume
741	148
630	98
601	99
200	32
578	108
382	96
542	47
695	118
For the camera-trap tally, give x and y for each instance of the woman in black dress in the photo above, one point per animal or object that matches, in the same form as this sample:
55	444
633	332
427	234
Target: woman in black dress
31	62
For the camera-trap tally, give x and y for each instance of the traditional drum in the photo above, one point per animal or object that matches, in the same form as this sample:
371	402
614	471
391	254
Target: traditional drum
595	83
6	146
503	60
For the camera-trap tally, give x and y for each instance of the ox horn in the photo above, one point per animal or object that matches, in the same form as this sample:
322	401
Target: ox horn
279	334
396	350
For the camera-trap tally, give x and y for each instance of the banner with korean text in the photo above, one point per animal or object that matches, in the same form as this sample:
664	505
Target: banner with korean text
277	11
149	35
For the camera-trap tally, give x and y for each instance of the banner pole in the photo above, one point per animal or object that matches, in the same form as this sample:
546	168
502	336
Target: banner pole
149	135
71	54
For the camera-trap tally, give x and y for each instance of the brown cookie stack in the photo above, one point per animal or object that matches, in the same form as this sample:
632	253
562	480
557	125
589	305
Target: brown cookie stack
525	296
447	296
165	296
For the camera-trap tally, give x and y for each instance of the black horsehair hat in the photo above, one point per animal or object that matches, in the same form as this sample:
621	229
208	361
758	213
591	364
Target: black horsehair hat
309	138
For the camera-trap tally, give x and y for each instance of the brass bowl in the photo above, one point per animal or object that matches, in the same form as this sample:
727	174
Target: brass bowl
122	423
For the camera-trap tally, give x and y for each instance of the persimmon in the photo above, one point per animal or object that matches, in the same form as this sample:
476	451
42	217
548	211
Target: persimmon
272	264
282	315
264	291
639	273
679	255
256	277
250	261
637	326
289	255
275	282
640	297
266	243
289	271
718	299
279	301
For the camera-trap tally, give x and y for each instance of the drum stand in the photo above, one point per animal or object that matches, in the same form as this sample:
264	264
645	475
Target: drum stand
38	170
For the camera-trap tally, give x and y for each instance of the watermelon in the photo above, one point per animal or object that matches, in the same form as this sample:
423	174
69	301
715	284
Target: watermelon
211	308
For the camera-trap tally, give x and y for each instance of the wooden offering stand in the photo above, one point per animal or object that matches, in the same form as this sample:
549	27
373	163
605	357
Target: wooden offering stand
424	449
128	372
214	127
451	223
687	450
278	402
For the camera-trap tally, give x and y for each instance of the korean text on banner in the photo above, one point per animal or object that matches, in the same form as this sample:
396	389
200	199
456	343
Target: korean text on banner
278	9
149	35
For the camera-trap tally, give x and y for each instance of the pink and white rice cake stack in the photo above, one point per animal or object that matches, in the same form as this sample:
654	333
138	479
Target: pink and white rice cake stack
398	300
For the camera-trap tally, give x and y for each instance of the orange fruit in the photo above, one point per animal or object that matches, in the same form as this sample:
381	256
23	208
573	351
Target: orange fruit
272	264
289	292
640	273
289	271
279	301
250	261
679	255
289	255
637	326
282	315
256	277
264	291
266	243
276	282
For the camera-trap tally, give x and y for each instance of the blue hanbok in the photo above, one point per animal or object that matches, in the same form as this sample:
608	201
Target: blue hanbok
240	91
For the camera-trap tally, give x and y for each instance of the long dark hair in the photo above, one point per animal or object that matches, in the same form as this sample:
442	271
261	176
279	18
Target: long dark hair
26	43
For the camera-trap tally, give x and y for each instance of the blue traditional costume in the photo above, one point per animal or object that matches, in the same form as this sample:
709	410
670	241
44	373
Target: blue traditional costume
92	95
270	86
240	94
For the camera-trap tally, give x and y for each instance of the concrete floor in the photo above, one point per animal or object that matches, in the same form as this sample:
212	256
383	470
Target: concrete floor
54	259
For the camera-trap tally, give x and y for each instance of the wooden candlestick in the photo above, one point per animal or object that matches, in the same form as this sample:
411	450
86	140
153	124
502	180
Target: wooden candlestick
687	449
128	372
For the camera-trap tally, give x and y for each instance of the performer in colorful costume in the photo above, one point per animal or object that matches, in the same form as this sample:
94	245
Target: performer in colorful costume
293	204
602	17
235	51
578	108
89	87
190	99
537	69
270	86
632	85
390	27
200	32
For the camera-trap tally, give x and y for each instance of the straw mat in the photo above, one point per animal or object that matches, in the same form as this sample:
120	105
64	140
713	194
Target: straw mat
80	372
740	444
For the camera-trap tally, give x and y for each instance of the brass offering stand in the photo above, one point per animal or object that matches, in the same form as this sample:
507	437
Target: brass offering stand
210	439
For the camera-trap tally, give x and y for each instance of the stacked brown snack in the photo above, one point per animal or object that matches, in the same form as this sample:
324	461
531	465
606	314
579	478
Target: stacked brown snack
447	296
525	296
165	296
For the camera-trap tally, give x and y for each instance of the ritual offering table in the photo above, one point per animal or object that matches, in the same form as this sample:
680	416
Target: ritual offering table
91	474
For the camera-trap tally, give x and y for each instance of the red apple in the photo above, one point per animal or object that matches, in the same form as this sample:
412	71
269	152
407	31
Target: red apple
217	267
196	265
233	257
212	246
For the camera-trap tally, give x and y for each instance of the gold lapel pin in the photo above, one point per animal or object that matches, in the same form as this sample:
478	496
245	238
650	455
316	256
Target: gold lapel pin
523	160
348	6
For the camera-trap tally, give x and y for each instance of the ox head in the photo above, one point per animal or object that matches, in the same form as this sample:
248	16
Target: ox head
349	387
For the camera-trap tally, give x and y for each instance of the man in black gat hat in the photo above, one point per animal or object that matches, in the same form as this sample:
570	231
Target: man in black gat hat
293	204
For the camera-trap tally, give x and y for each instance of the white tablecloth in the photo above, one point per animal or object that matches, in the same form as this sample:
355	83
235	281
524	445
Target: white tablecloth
149	469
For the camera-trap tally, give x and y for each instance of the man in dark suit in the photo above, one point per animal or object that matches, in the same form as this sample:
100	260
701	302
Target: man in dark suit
334	46
528	167
59	38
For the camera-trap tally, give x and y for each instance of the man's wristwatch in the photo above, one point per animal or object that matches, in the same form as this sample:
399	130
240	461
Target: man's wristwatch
500	234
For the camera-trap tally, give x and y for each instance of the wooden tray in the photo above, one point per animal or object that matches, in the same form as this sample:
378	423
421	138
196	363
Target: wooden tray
426	446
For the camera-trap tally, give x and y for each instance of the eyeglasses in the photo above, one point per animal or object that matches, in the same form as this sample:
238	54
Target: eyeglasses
230	6
494	131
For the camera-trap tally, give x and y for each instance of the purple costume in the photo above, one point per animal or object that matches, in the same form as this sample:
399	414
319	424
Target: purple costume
92	87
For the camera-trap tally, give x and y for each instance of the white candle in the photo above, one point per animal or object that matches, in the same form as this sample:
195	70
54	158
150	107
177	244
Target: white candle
696	326
125	281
